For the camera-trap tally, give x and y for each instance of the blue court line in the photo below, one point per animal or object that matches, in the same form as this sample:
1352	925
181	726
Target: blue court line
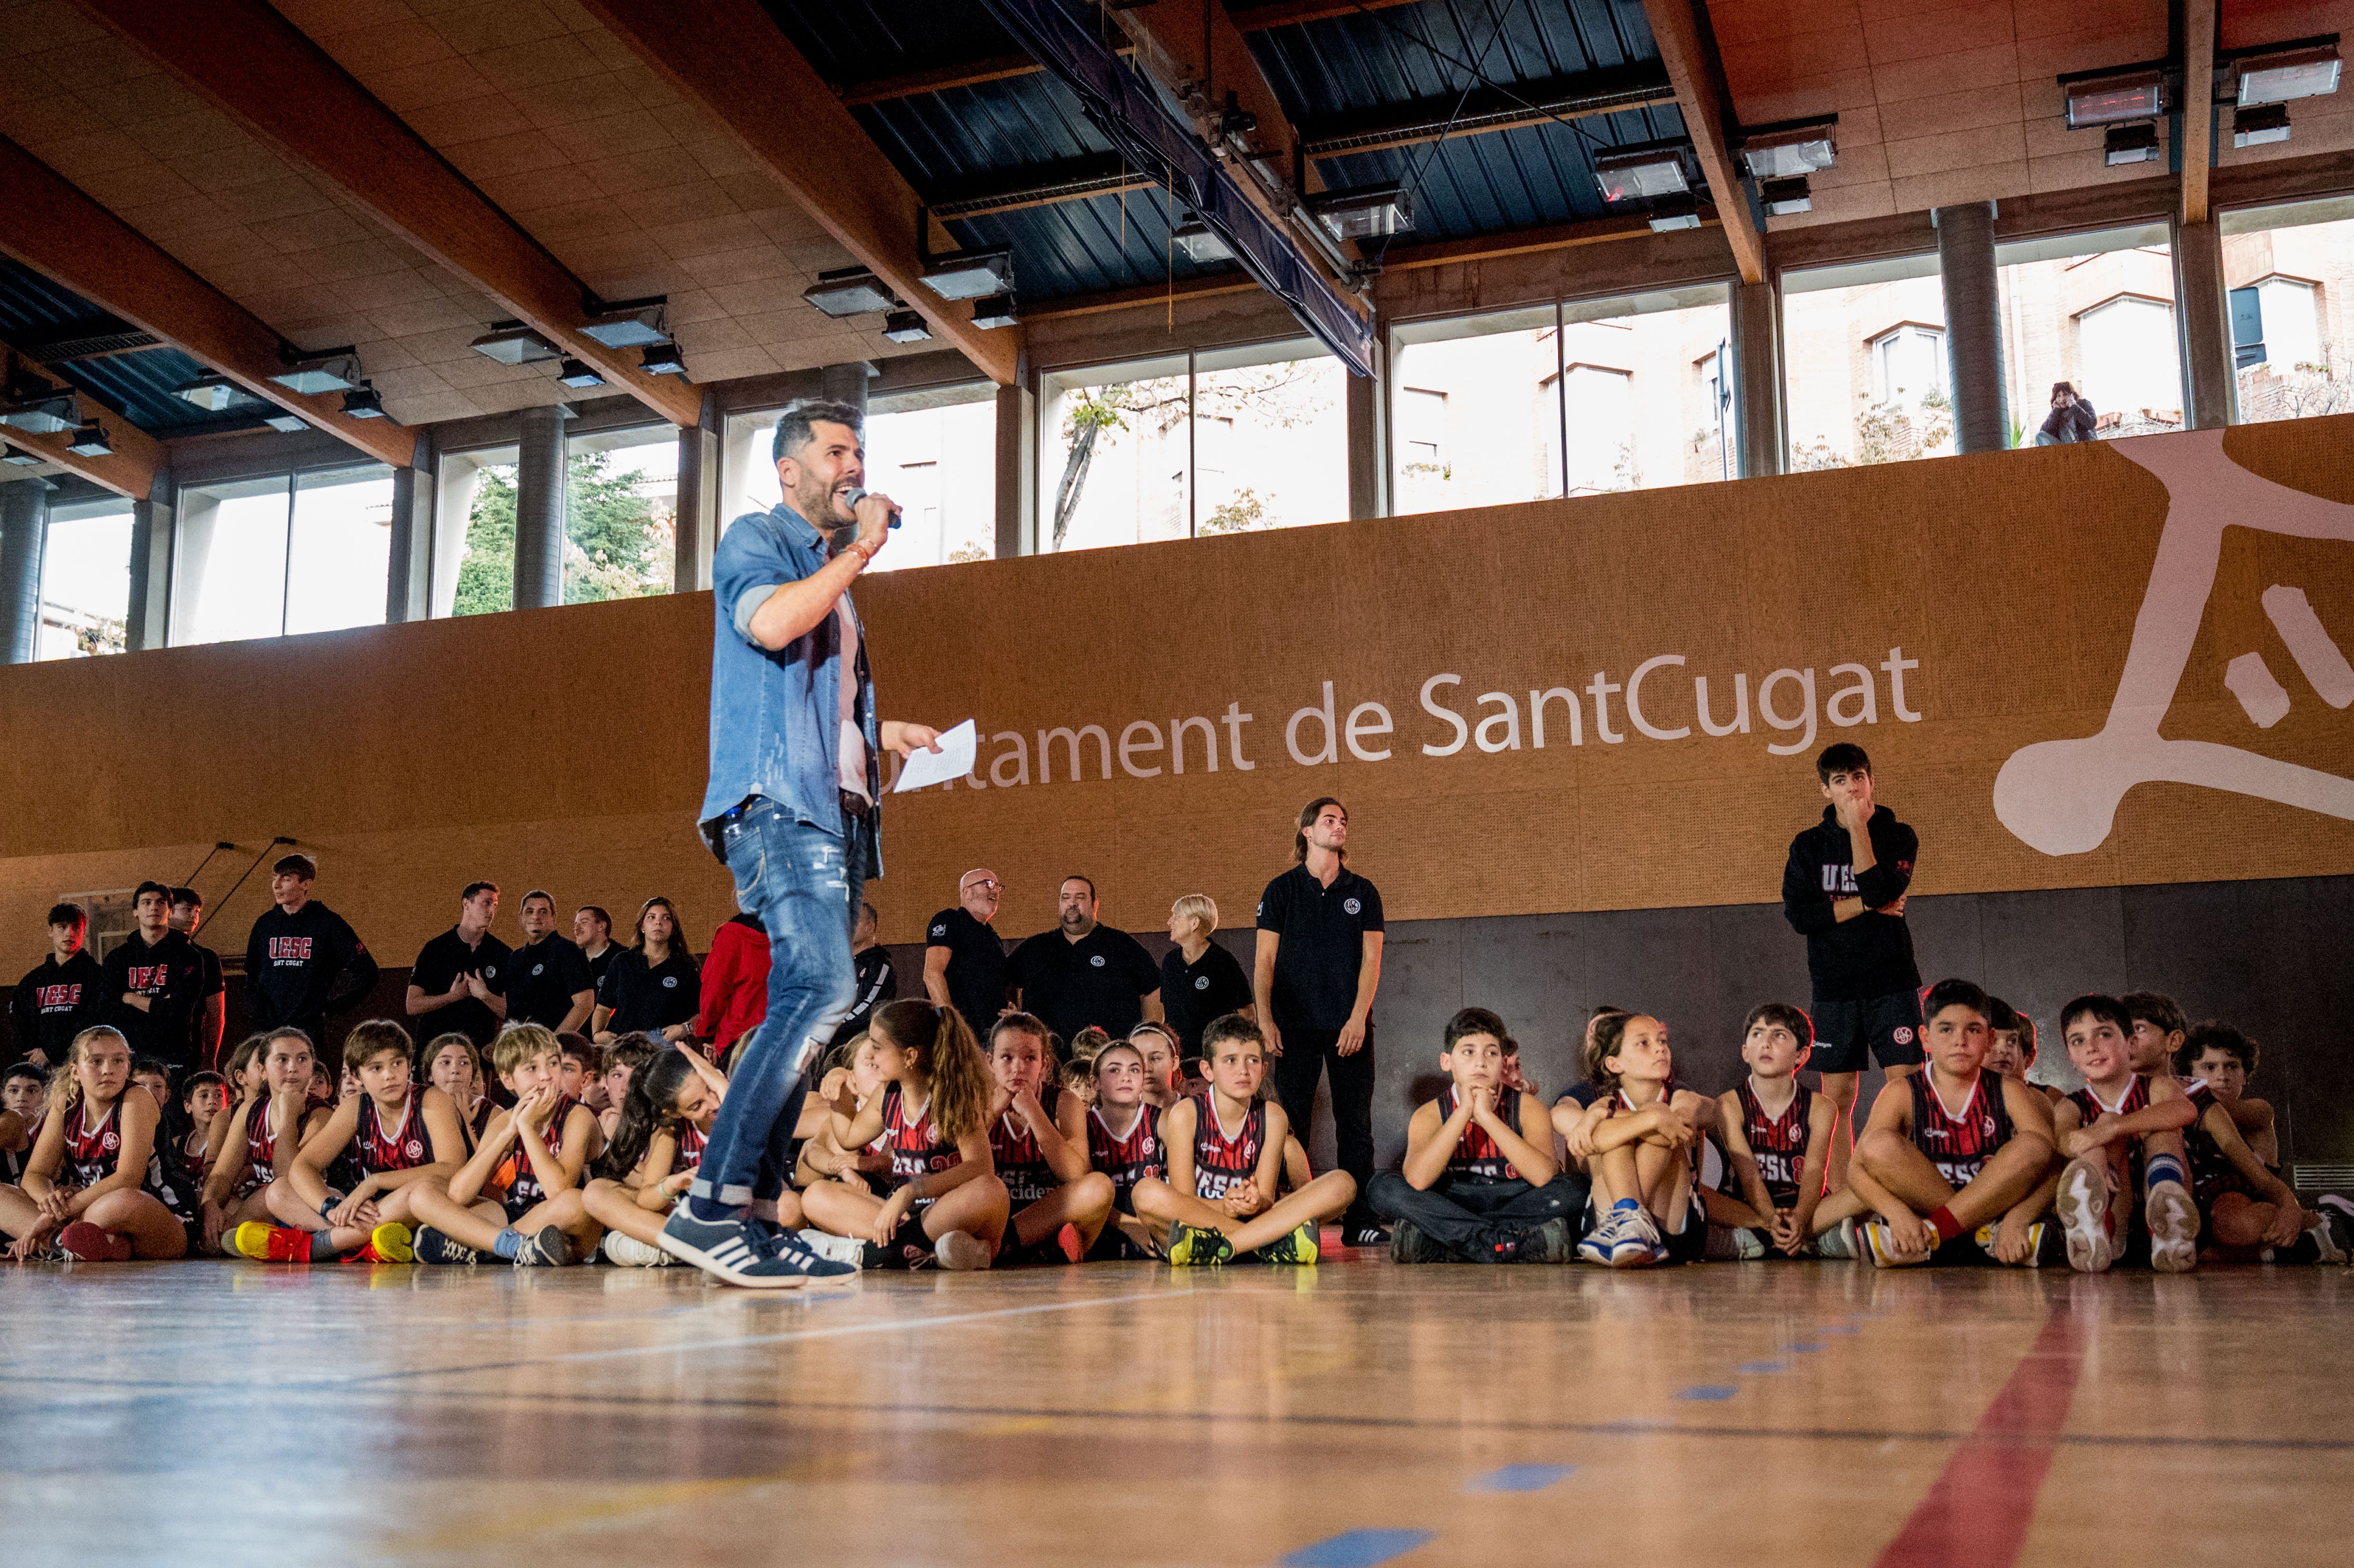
1802	1348
1711	1392
1519	1479
1357	1549
1758	1368
1836	1329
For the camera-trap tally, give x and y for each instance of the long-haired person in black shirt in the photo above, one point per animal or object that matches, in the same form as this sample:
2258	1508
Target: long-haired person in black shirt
62	995
303	963
653	988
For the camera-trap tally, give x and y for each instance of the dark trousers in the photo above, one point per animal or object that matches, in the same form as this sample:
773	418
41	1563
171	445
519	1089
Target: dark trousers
1306	1052
1470	1217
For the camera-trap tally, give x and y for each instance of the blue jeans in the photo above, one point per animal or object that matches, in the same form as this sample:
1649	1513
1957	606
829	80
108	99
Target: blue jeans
802	883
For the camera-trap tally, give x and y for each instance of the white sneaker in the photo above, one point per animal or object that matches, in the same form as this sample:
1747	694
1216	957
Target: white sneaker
1597	1242
629	1252
2083	1206
1637	1244
961	1251
2325	1245
1840	1243
2173	1221
841	1249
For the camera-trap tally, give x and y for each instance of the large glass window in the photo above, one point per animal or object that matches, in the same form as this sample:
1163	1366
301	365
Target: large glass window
1863	358
2288	268
620	514
85	580
934	452
2094	313
1574	398
474	533
1116	453
1270	437
264	557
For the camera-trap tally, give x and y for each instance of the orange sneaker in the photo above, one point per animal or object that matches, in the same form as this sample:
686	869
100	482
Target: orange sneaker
271	1244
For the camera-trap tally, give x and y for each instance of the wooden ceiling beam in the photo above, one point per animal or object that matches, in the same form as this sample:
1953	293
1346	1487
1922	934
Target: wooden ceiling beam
1699	77
128	471
253	63
2198	105
50	225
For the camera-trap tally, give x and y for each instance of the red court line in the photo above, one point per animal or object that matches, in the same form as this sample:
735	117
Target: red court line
1976	1514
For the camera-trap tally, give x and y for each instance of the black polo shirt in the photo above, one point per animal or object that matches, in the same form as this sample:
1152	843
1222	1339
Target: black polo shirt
601	962
542	978
1321	945
438	964
651	997
1101	980
977	967
1192	994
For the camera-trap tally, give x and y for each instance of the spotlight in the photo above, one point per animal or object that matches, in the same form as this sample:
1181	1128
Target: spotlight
996	311
363	402
1196	243
43	413
1786	198
288	423
17	457
2309	71
848	292
632	324
511	343
211	391
1645	170
1675	212
2135	143
1790	152
2260	125
906	326
329	370
2108	98
90	441
970	274
663	359
576	373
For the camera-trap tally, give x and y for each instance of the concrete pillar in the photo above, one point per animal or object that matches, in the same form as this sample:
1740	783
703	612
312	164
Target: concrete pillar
409	576
2203	317
1368	447
845	382
698	500
152	528
456	479
1017	471
1757	344
539	508
1973	326
23	531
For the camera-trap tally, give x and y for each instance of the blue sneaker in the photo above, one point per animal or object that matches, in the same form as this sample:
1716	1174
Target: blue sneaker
734	1252
1595	1247
781	1242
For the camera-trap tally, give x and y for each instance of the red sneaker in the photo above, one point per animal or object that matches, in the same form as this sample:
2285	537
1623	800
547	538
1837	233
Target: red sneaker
1075	1247
87	1242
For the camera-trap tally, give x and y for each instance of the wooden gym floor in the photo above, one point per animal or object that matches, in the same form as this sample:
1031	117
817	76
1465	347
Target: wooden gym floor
1751	1414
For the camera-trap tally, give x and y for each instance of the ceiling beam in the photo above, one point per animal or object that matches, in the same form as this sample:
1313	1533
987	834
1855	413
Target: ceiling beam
259	67
128	471
1693	65
727	57
47	224
2198	105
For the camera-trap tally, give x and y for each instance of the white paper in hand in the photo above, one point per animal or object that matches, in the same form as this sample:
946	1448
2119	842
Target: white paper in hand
952	760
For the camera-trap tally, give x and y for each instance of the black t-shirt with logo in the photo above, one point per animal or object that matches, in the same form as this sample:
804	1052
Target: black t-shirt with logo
1320	946
649	997
54	1002
1101	980
171	976
977	966
439	965
543	977
1192	994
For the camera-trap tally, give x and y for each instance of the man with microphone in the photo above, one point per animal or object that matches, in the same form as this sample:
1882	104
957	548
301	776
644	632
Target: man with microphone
792	808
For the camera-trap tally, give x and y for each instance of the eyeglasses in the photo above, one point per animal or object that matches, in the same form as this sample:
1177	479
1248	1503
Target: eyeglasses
984	883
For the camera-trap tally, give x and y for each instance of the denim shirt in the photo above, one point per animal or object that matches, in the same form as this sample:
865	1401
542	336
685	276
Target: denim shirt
776	716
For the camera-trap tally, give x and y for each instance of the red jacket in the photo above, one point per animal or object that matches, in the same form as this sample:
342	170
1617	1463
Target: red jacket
734	985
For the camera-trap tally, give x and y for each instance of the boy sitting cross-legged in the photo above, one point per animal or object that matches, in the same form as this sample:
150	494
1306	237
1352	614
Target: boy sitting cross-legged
1777	1139
2252	1215
1475	1188
1955	1151
2121	1131
1219	1200
401	1133
517	1198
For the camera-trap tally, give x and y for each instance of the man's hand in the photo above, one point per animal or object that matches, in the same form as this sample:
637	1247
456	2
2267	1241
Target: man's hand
1352	1036
906	739
873	515
476	989
38	1058
1897	909
132	999
1274	1036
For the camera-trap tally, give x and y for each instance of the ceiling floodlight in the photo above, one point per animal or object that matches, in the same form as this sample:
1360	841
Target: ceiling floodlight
2307	71
2130	145
511	343
663	359
2098	98
2260	127
17	457
1637	173
1363	212
1194	241
970	274
329	370
996	311
42	416
907	326
632	324
363	402
1675	212
848	292
1786	198
578	373
289	423
210	391
90	441
1790	152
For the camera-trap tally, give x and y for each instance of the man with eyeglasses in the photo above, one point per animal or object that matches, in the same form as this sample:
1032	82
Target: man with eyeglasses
964	962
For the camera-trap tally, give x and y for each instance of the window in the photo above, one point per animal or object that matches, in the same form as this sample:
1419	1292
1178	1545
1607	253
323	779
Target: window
2286	267
2292	323
2094	309
1115	460
474	533
266	558
85	580
934	452
1270	437
620	514
1863	358
1571	399
341	550
2126	346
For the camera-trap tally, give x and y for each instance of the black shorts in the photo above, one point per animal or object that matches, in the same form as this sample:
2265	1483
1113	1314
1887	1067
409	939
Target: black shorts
1890	1025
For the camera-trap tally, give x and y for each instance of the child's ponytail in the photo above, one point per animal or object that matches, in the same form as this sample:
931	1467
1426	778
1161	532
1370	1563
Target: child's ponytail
945	1053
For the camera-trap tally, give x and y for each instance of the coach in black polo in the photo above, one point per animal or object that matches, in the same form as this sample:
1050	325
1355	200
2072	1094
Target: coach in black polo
964	963
1320	959
1083	972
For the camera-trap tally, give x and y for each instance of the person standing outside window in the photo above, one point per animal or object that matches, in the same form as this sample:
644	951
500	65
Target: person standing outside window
459	980
1084	972
792	809
304	962
1843	889
1320	962
965	965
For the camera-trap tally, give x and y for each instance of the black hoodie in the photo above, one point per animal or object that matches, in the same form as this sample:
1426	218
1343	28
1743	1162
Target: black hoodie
1871	954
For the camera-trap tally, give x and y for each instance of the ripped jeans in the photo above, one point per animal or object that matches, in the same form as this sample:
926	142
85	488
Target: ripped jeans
797	879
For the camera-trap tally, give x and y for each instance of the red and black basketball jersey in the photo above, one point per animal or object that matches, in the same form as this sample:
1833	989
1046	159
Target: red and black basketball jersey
91	1152
525	1190
917	1146
1622	1104
1128	1158
1476	1154
1021	1162
403	1146
1960	1143
2212	1173
2089	1107
260	1151
692	1141
1777	1142
1220	1161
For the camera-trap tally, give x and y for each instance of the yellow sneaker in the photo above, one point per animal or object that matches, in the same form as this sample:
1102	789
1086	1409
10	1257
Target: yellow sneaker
392	1243
1192	1248
271	1243
1299	1248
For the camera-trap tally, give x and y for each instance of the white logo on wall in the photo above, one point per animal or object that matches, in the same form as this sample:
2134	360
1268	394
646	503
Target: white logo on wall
1096	961
2061	796
1351	906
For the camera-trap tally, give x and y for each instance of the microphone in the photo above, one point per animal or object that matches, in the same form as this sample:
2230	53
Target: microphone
854	496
